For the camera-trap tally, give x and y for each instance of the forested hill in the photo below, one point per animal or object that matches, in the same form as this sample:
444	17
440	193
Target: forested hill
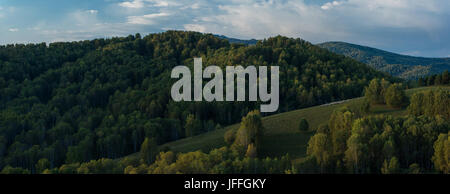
403	66
235	40
76	101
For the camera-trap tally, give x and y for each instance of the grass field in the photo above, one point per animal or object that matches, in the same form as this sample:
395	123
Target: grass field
281	134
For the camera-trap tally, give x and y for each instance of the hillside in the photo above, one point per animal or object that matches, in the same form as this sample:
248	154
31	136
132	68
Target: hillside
402	66
240	41
72	102
281	135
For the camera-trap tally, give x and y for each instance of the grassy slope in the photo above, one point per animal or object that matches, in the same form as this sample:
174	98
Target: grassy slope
280	134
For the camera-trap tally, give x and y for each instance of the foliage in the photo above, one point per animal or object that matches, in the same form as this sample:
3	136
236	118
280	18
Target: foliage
149	150
436	79
249	133
230	136
430	103
375	92
395	96
81	101
441	157
303	125
381	144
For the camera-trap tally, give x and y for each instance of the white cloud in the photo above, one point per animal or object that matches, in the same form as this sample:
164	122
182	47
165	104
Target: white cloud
194	27
13	29
330	5
132	4
92	11
268	18
334	20
161	4
79	25
146	19
138	4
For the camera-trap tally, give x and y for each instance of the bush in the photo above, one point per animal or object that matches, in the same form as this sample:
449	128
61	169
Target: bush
14	170
303	126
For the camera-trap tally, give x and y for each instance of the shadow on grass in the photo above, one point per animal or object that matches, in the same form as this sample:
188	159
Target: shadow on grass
293	143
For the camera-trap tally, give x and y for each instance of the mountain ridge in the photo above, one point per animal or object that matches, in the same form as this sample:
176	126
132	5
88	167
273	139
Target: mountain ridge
403	66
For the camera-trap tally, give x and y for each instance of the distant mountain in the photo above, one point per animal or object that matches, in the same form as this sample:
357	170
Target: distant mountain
235	40
403	66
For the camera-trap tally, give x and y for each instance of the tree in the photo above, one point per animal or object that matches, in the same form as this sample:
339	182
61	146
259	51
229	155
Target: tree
249	131
438	80
416	106
421	82
319	148
414	169
42	165
430	80
340	125
303	125
431	103
81	152
230	136
251	151
193	126
356	158
365	107
441	157
149	150
14	170
3	146
395	96
375	92
393	167
445	78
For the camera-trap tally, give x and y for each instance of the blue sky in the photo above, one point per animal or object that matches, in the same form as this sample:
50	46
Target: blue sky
414	27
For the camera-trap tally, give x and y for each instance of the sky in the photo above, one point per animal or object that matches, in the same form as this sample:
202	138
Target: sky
412	27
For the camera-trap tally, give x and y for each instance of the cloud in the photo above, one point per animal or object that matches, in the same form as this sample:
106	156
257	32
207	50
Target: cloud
13	29
194	27
334	20
387	13
268	18
146	19
330	5
92	11
136	4
161	4
79	25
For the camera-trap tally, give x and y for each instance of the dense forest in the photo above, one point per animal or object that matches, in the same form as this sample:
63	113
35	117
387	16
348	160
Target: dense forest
68	103
434	80
415	143
418	142
403	66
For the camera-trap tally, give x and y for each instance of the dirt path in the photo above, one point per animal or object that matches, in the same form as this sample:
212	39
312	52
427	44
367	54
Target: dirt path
336	102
